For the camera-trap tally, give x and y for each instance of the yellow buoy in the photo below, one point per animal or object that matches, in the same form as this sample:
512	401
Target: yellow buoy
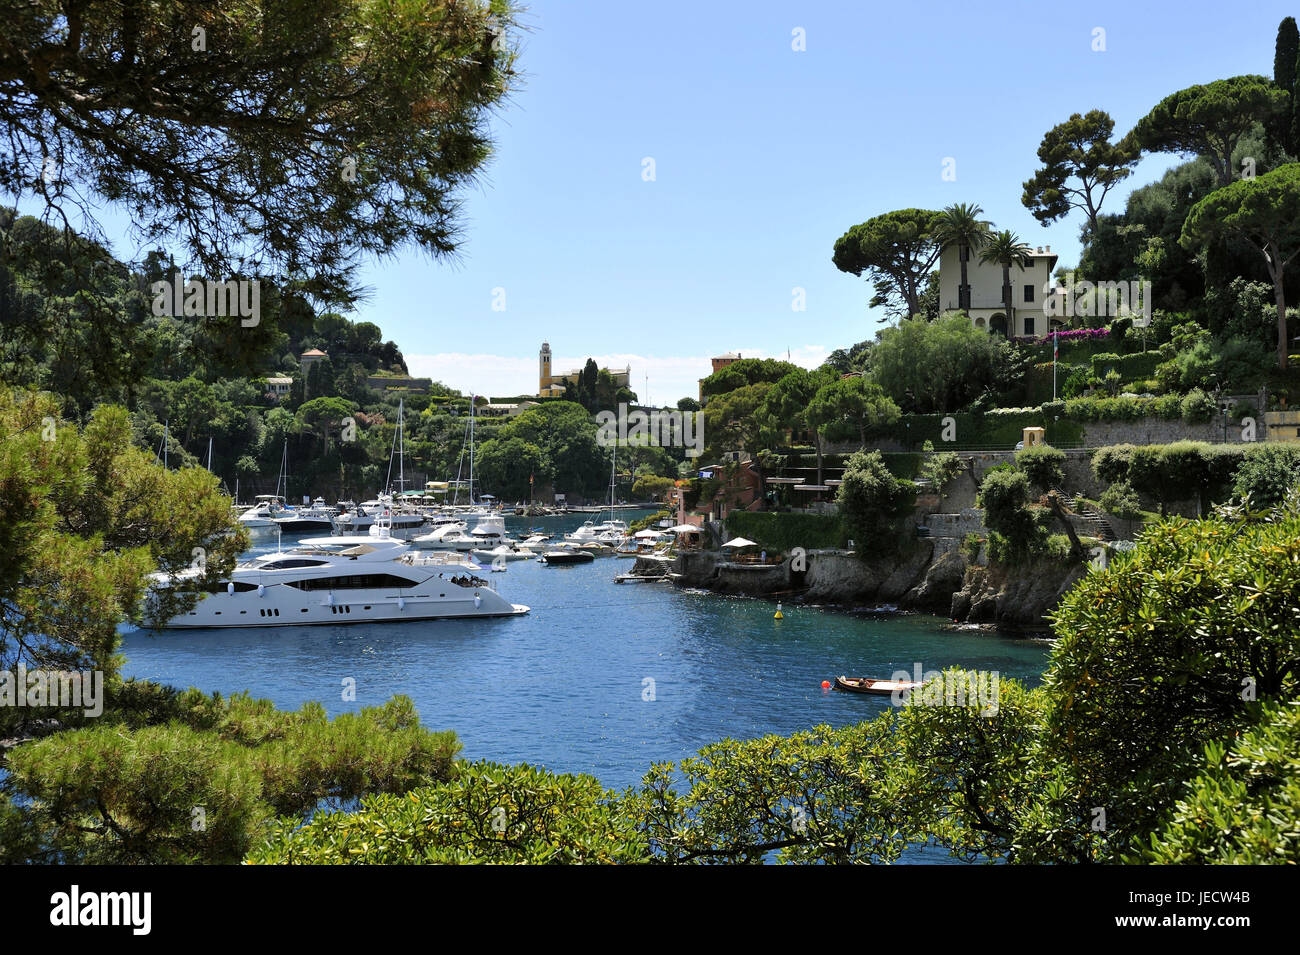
778	615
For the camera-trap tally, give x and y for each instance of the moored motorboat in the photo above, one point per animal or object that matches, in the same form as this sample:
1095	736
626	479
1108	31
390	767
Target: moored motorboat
561	557
342	580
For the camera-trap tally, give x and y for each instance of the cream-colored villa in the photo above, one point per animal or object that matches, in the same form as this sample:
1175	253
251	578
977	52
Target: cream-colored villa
987	310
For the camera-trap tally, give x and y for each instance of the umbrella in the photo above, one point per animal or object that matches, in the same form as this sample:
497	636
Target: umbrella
740	542
646	534
683	528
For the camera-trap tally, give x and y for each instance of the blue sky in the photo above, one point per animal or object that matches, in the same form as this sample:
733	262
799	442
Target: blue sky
763	156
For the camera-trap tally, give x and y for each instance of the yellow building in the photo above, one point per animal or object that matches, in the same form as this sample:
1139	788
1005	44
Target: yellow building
549	385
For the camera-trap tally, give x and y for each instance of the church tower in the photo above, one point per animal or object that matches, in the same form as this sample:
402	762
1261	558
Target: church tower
544	368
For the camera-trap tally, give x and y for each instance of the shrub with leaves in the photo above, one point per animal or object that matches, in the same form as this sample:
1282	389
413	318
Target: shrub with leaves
207	783
1043	464
1245	808
1159	655
486	813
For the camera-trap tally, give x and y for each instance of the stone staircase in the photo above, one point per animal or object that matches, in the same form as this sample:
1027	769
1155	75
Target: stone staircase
1090	515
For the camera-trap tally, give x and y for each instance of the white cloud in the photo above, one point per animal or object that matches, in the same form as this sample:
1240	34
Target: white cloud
670	378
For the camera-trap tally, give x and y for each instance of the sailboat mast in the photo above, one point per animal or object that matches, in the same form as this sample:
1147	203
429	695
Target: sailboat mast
613	471
401	448
209	452
283	476
166	426
471	450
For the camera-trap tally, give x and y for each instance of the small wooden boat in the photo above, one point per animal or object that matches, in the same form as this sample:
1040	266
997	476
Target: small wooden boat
866	684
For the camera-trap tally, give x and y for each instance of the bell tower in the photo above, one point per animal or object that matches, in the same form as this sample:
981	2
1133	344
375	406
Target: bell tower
544	368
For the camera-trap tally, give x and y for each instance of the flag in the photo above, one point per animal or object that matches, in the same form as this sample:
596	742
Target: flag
1056	345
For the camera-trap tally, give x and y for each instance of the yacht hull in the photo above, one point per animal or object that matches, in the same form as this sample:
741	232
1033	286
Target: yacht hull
218	611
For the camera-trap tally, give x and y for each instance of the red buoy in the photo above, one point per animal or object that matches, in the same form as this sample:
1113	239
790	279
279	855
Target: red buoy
826	684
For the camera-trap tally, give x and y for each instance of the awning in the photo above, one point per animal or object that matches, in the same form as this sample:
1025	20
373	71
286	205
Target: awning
740	542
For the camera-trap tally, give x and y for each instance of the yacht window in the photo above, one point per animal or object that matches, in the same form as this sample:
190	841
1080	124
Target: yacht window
291	562
351	582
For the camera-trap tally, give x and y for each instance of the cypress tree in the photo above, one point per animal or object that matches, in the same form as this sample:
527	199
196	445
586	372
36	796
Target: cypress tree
1285	55
1284	59
1292	138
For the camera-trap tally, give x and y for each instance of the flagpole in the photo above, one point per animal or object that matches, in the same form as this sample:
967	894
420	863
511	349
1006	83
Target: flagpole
1055	348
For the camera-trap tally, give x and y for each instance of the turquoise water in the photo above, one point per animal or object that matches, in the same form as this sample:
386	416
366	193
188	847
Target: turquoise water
564	687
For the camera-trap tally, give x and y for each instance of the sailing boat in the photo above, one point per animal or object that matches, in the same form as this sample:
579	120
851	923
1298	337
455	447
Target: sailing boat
611	532
386	518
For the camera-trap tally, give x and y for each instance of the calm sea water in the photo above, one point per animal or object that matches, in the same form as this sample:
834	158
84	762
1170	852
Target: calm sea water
565	686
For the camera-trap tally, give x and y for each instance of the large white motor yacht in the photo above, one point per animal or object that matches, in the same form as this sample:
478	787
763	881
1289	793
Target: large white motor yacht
344	580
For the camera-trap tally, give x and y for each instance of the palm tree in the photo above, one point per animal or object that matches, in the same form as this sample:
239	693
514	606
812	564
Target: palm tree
1005	249
961	225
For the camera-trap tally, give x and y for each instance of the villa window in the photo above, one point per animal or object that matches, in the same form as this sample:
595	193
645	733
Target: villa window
1029	293
1029	325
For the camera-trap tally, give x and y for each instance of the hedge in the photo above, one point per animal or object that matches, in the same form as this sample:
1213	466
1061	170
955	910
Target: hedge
999	428
777	532
1124	409
1135	367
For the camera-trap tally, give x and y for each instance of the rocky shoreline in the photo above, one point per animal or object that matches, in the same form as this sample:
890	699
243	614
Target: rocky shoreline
920	578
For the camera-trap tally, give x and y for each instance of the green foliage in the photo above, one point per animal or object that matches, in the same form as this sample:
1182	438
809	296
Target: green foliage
1244	809
414	82
734	421
779	532
896	251
1262	210
1123	409
745	372
486	813
1197	406
570	458
1121	500
1043	464
1080	166
998	429
1151	663
1209	120
871	499
976	787
1005	497
648	521
506	464
852	406
124	793
939	366
940	468
650	487
1130	367
84	518
1266	474
822	795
